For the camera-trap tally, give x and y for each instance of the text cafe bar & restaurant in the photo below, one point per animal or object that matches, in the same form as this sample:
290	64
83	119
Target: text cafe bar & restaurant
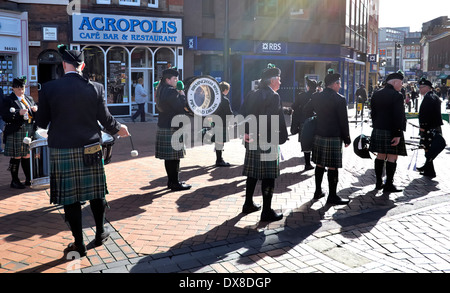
120	49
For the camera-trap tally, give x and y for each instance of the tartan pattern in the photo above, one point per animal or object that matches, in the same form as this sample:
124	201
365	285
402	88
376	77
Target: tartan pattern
256	168
327	151
164	149
14	146
380	142
71	181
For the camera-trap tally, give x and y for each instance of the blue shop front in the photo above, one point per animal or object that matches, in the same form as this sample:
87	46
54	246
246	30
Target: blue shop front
296	60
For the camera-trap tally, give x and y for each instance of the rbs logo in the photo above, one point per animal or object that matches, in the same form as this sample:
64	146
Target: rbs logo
271	47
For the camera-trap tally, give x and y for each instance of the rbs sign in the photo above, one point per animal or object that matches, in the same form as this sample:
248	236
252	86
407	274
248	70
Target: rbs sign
96	28
270	48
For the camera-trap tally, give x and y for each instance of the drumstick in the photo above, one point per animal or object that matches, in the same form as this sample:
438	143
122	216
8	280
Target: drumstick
134	153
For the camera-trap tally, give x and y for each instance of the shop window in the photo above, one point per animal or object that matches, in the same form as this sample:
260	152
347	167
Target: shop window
94	58
141	58
165	58
130	2
117	76
8	71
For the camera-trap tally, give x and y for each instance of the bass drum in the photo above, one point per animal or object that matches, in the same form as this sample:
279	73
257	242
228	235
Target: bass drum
203	95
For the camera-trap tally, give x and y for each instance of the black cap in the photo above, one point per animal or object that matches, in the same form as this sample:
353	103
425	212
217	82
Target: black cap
332	78
170	72
74	57
19	82
424	81
396	75
270	72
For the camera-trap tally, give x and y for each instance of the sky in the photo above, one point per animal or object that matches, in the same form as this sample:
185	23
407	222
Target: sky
412	13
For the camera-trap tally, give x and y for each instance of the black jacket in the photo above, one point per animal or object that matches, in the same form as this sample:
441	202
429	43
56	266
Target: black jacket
332	118
430	116
388	111
300	115
265	101
13	120
72	106
169	104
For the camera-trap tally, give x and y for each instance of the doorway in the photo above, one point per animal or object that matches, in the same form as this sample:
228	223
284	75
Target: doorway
49	67
146	75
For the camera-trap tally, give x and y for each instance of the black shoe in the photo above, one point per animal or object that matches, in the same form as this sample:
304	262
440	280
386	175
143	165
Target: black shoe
336	200
248	209
319	195
390	188
309	167
420	169
81	249
222	164
271	216
17	185
28	183
429	175
179	186
102	238
379	186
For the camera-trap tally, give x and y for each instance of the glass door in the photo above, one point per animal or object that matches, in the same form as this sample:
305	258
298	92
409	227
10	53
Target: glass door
142	76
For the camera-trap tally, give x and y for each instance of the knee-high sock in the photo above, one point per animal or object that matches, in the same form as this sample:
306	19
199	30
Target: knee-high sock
74	218
318	178
249	190
267	187
98	208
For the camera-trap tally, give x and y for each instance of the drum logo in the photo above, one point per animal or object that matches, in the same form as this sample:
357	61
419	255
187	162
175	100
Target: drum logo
204	96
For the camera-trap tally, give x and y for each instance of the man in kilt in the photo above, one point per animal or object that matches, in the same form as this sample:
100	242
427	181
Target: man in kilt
170	102
430	121
72	107
262	148
331	131
389	123
19	115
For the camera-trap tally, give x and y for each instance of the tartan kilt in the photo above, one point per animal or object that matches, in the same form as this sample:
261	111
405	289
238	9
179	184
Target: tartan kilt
14	146
71	181
327	151
164	149
380	143
256	168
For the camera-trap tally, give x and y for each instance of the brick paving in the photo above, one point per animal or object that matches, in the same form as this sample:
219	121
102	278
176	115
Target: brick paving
202	230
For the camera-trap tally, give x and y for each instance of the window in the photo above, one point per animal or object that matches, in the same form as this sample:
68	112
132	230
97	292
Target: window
103	1
153	3
130	2
267	8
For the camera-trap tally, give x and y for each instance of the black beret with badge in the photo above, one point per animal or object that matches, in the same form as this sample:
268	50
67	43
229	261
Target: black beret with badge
424	81
312	84
19	82
396	75
331	77
74	57
170	72
270	72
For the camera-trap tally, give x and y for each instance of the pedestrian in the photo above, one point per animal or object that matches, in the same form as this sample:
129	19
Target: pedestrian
361	95
140	98
300	115
430	122
170	102
71	108
2	123
19	114
223	111
389	123
414	98
332	131
262	148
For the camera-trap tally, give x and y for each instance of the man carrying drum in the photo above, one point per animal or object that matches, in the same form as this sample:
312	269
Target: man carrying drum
73	106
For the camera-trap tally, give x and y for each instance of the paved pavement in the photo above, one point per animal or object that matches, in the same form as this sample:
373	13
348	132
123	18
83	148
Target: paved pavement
203	231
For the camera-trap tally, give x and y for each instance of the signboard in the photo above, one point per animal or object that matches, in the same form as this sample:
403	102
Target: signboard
271	48
191	43
50	33
372	58
10	44
104	28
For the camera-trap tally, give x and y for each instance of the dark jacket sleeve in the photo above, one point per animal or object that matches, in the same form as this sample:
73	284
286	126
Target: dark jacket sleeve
343	121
